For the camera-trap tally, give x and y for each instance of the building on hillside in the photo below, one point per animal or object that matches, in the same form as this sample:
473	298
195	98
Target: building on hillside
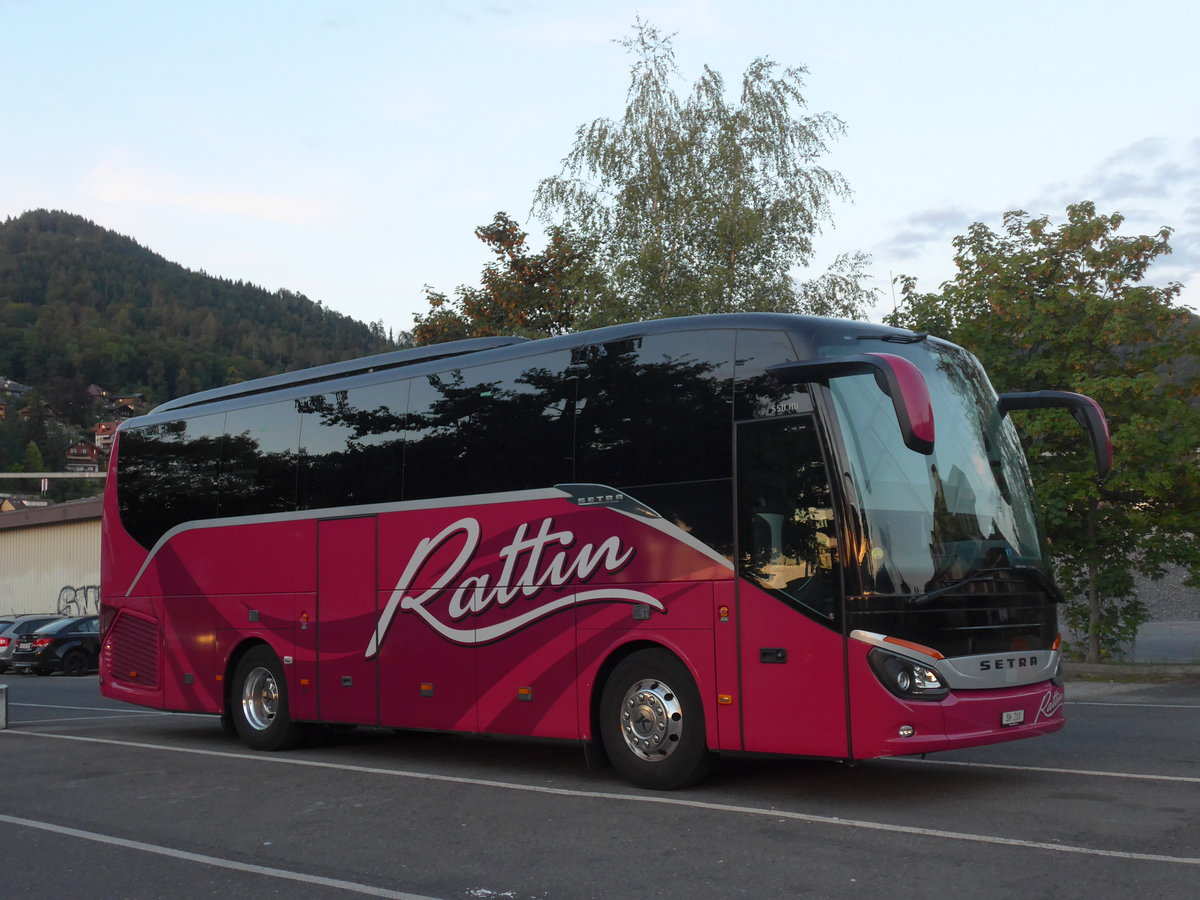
14	388
120	407
104	434
83	456
128	406
49	414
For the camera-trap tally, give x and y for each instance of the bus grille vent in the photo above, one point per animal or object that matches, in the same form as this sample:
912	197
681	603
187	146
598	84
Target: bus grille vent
131	651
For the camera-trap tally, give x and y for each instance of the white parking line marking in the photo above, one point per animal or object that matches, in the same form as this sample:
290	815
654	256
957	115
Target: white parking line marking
69	719
1094	773
1134	705
73	719
112	709
336	883
656	799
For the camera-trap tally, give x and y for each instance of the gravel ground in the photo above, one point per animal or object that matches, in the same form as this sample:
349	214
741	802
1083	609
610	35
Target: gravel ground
1169	600
1172	635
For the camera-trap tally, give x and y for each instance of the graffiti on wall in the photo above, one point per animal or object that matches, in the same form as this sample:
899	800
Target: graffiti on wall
79	601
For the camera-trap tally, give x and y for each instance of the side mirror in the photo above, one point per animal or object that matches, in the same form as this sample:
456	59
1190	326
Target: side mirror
1087	412
896	377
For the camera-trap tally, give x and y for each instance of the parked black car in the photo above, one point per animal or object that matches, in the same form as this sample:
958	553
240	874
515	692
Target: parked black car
72	645
11	629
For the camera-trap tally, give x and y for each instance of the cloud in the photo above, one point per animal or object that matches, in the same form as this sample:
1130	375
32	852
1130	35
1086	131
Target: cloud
121	181
1152	182
1146	180
935	227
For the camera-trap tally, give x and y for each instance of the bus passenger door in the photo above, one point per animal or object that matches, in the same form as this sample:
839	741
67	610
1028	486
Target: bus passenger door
792	658
347	682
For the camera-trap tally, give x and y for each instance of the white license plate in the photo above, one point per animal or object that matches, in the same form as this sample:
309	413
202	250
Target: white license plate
1012	717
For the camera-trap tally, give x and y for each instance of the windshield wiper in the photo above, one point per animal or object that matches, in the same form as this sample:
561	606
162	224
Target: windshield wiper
912	337
1044	581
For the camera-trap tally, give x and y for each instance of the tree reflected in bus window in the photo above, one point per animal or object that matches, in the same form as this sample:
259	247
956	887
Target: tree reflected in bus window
169	474
259	460
787	540
352	446
507	426
656	409
757	393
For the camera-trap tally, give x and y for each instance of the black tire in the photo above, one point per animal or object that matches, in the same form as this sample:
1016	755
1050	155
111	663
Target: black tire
258	703
75	664
652	722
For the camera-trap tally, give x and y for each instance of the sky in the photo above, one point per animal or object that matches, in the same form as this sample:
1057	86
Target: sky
348	150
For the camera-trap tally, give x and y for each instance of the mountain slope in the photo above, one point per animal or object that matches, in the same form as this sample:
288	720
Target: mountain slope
80	304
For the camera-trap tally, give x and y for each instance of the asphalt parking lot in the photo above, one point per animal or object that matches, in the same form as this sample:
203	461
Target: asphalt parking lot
105	800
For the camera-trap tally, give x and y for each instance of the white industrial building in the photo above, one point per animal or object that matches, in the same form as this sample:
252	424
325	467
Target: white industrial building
50	559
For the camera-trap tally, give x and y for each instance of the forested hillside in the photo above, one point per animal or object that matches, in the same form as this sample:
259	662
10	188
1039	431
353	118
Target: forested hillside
82	305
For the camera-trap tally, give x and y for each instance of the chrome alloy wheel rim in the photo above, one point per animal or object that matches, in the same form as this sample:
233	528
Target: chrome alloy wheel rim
260	699
651	720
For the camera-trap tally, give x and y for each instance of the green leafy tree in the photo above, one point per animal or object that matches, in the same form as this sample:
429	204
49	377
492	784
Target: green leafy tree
33	458
700	204
532	294
1068	308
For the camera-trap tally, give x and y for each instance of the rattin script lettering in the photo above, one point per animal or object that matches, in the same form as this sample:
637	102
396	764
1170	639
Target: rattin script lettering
532	563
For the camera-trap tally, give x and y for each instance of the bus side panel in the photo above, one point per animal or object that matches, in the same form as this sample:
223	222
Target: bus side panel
728	735
684	606
261	558
190	657
345	616
793	691
253	579
526	681
426	680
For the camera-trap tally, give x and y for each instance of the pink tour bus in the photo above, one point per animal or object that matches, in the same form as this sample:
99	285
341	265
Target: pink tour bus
666	540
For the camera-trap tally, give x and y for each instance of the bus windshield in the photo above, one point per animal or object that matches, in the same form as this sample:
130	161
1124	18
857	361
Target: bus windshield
931	522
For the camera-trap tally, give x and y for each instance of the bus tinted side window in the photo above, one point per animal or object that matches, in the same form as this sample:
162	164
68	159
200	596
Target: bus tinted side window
168	474
352	446
655	421
758	393
501	427
259	460
656	409
786	532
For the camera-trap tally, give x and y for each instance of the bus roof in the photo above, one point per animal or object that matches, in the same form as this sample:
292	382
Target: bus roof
391	360
472	346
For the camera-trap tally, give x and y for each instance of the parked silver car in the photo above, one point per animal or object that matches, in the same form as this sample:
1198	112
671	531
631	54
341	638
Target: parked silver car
18	625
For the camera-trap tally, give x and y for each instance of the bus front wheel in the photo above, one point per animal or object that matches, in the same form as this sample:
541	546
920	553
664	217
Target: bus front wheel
259	704
652	722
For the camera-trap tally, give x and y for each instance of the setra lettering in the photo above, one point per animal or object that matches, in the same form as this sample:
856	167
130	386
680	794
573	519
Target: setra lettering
1009	662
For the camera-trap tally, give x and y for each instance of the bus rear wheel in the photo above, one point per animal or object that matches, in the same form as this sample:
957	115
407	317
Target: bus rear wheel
652	722
259	706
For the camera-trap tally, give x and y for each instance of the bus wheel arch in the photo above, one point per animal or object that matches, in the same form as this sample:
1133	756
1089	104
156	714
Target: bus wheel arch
650	717
256	700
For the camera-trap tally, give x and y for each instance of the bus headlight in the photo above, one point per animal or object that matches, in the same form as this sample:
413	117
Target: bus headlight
906	678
